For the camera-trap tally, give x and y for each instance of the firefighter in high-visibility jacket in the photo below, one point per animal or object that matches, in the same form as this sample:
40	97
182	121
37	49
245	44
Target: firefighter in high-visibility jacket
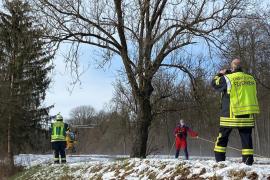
239	104
58	139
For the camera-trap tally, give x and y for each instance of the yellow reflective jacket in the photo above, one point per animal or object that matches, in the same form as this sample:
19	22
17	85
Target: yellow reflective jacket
58	131
243	95
243	103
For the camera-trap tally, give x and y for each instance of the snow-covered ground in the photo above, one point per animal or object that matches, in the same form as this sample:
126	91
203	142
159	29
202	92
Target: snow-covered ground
154	167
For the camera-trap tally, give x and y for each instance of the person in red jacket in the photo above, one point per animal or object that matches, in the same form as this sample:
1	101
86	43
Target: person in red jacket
181	132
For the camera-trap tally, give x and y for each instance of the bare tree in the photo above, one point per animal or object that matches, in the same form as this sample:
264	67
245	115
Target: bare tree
82	115
144	33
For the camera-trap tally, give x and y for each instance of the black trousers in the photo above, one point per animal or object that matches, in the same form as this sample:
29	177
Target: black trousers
59	150
185	151
246	140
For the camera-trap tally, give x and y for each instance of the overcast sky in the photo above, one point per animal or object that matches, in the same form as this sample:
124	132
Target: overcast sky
96	85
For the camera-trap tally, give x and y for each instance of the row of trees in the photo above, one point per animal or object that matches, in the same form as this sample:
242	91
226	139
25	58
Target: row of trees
175	97
114	130
249	39
147	35
161	80
25	61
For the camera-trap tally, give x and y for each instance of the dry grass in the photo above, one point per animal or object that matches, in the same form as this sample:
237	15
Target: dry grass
237	174
253	176
96	168
151	175
215	177
66	177
181	170
162	166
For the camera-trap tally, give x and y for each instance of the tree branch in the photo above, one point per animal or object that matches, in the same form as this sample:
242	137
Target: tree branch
78	15
184	69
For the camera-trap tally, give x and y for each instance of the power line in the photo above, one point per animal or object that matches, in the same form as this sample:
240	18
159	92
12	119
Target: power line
230	147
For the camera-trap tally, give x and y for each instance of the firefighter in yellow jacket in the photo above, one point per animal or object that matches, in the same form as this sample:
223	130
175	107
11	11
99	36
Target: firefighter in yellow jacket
58	139
239	104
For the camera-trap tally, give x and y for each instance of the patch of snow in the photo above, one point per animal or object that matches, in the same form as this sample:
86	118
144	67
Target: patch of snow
154	167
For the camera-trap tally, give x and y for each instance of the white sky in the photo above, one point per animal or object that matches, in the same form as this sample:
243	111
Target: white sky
96	86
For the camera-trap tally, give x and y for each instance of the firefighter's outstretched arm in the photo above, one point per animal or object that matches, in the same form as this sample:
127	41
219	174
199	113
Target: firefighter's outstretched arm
219	83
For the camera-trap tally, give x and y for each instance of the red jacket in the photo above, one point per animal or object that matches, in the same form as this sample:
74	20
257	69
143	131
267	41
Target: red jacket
181	133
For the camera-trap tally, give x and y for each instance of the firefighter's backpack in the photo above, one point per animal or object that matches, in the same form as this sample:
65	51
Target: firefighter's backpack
72	136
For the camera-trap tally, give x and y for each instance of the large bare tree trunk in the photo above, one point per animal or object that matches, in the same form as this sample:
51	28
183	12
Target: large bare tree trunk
139	147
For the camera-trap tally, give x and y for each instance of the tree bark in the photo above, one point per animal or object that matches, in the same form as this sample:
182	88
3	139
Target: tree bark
144	119
9	134
168	134
143	123
257	138
10	157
